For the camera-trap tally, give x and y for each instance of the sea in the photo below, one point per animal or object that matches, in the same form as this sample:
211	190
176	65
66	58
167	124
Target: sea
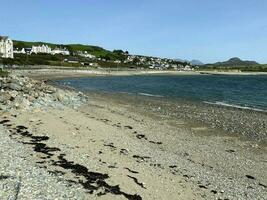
244	92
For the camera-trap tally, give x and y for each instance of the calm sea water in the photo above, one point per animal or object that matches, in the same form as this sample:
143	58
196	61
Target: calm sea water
238	91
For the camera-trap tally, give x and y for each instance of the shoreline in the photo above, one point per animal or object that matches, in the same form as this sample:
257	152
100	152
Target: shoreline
247	124
114	147
232	73
50	73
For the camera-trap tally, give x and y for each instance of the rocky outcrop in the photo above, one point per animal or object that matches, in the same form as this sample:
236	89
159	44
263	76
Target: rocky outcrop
23	93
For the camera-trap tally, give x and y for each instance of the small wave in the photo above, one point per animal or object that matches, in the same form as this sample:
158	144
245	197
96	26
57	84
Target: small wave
234	106
150	95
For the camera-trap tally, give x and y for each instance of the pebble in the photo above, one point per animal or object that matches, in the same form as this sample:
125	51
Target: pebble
21	179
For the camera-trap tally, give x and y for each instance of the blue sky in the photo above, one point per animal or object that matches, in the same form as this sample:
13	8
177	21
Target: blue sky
208	30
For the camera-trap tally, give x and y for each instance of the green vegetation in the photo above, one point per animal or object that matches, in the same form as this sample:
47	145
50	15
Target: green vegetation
24	44
56	60
255	68
33	59
258	68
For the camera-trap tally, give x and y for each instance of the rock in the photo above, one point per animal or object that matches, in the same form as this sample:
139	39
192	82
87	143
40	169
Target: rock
31	98
4	97
21	103
13	93
25	104
3	107
59	96
49	91
16	105
15	86
36	95
18	92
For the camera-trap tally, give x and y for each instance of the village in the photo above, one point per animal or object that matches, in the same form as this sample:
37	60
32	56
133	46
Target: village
85	58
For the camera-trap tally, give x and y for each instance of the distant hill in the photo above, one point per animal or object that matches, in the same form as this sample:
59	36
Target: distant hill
192	62
234	62
196	62
94	50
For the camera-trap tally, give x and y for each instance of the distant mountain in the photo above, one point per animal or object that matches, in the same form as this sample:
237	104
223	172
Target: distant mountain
235	62
196	62
192	62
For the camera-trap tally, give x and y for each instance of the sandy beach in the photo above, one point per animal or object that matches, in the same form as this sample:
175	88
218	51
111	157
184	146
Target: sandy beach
50	73
115	147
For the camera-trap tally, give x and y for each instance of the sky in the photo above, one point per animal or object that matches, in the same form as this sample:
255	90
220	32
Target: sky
208	30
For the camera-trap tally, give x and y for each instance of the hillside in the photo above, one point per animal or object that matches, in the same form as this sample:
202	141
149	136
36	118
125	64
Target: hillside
94	50
103	58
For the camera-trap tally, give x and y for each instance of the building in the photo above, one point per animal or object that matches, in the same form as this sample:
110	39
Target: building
18	51
41	49
188	68
86	54
62	51
6	47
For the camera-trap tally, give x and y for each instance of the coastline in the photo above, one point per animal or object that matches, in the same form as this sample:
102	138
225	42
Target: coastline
147	150
61	73
232	73
51	74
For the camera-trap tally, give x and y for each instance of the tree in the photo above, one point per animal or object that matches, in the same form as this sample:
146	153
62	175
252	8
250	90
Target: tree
119	52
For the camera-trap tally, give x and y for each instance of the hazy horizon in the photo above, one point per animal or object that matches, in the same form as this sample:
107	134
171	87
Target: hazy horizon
208	31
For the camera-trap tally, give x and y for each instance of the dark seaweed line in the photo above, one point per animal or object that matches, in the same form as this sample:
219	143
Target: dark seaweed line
137	182
94	180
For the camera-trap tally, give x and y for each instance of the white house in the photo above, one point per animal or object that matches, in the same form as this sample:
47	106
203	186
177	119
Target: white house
86	54
41	49
22	51
6	47
61	51
187	68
